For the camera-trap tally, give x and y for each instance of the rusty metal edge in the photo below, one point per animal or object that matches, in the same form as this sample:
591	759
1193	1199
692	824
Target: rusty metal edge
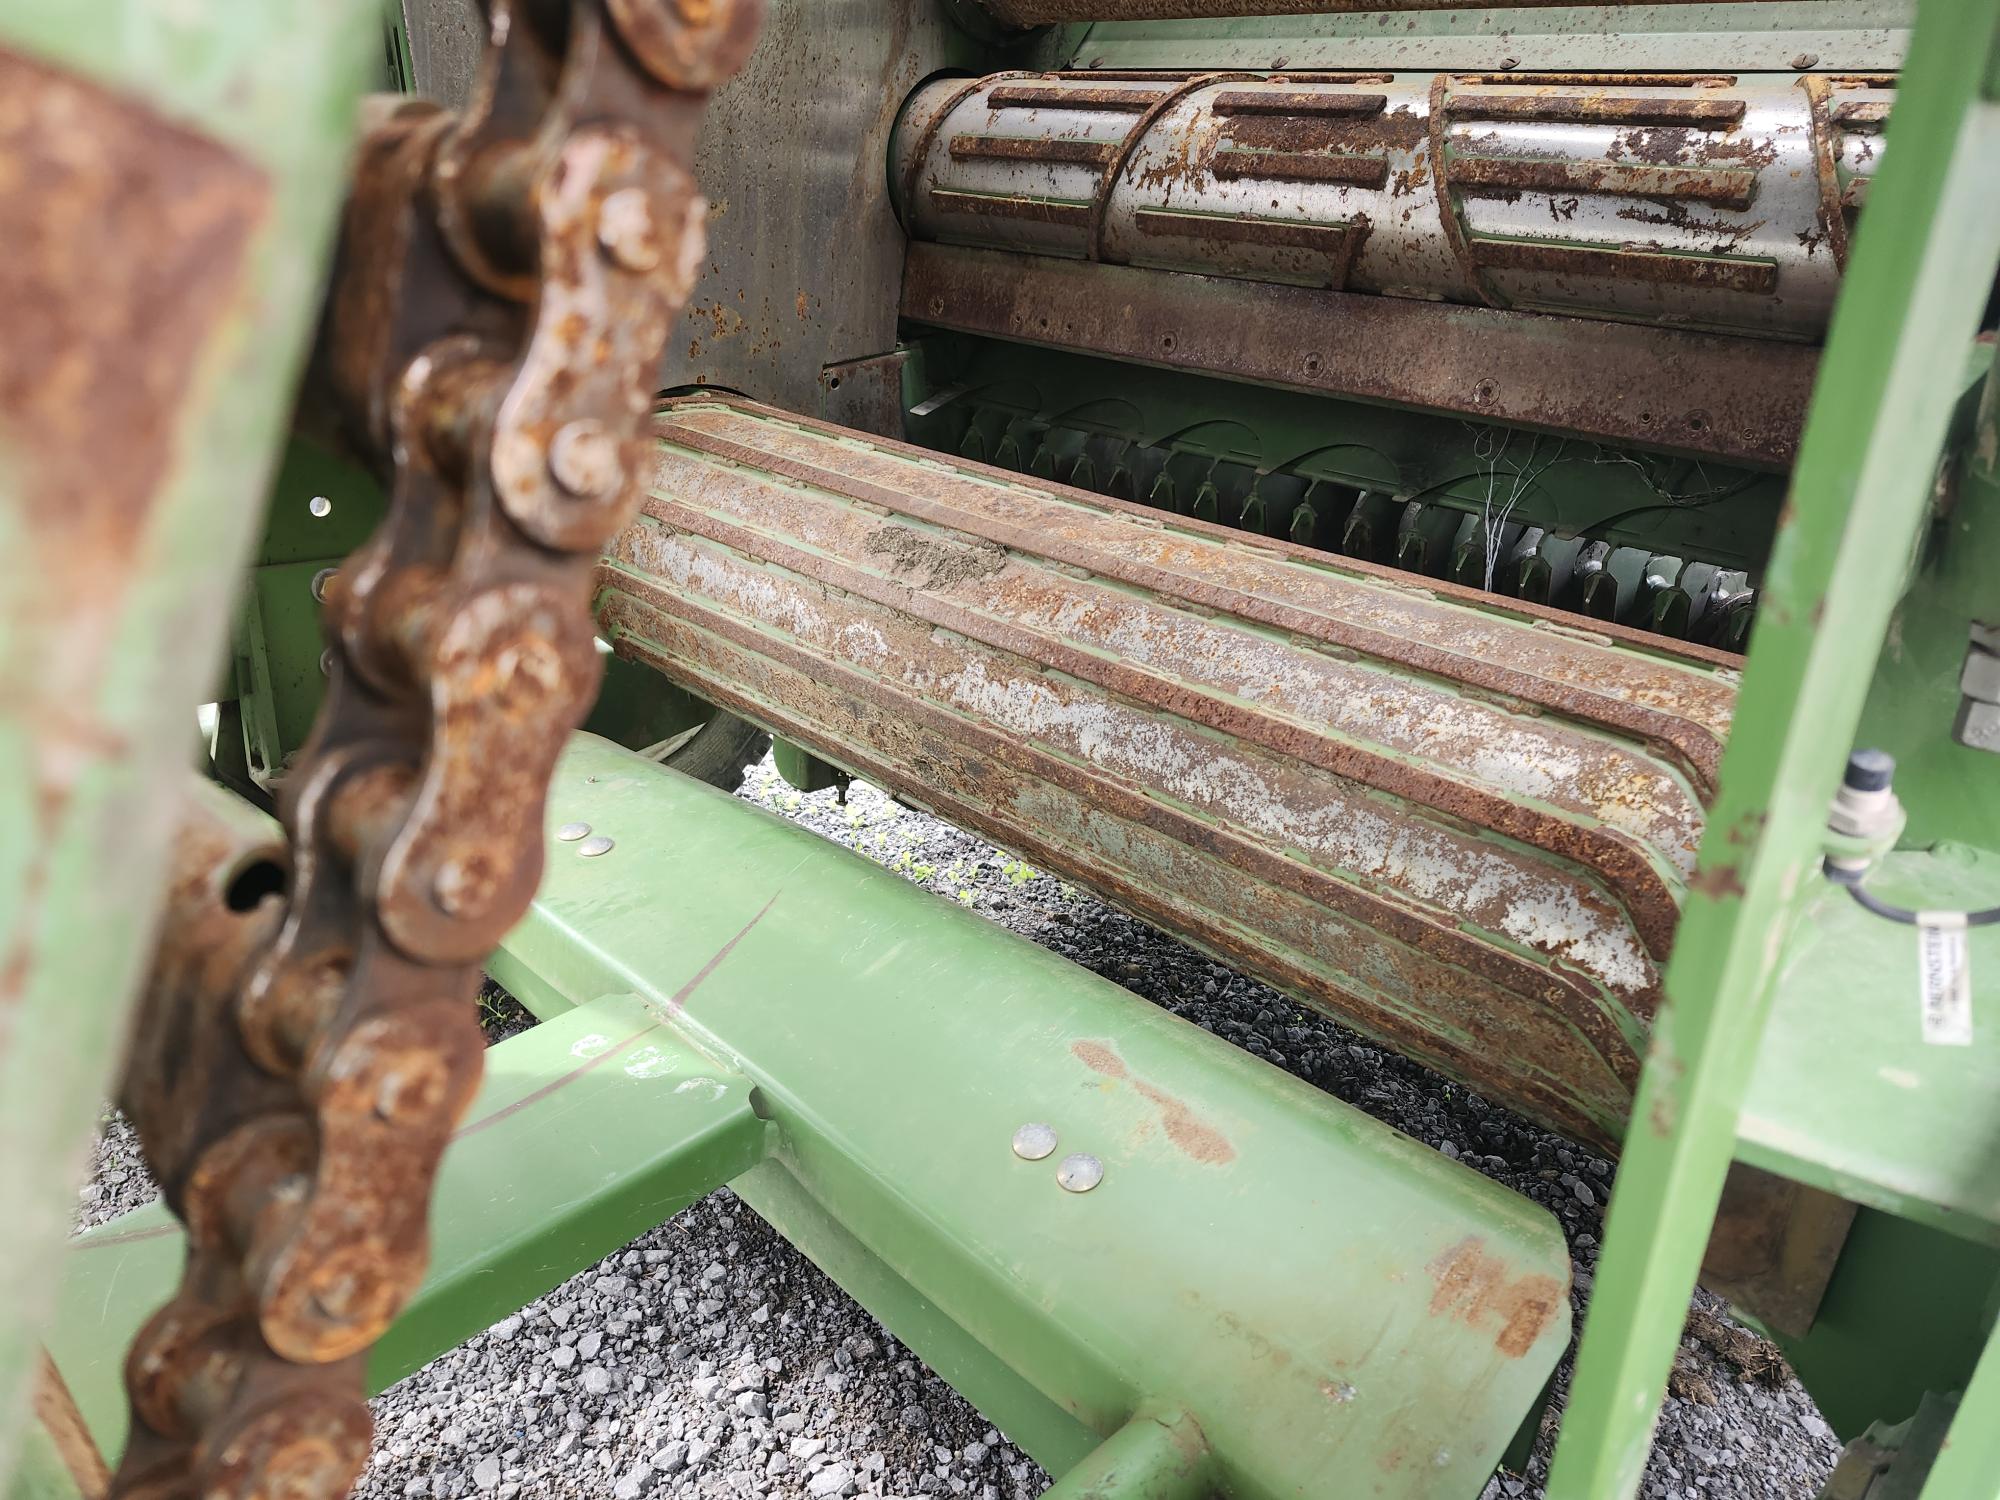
1769	381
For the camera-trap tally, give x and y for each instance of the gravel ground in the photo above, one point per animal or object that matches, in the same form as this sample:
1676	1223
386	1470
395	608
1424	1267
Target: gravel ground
710	1359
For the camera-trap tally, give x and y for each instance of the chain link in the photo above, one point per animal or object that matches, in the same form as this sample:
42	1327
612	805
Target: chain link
501	302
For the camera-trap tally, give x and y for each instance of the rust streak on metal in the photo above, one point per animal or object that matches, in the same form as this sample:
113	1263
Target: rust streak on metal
1136	132
1595	108
1032	148
1724	272
1302	166
1296	102
1067	212
1070	96
1729	187
1339	242
1826	169
1191	1135
1861	112
1476	1287
56	1410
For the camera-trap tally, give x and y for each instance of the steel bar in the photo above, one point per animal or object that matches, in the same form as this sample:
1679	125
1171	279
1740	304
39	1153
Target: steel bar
588	1130
166	225
1861	493
1706	394
1401	1311
1457	826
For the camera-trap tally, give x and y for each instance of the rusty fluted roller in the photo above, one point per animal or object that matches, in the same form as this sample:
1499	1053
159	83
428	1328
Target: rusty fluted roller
1462	825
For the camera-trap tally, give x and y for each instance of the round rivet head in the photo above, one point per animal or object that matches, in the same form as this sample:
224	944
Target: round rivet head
1080	1173
1034	1142
570	833
595	848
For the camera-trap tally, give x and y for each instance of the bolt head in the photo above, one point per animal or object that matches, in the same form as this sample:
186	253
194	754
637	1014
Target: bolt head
1080	1173
571	833
1034	1142
596	847
585	461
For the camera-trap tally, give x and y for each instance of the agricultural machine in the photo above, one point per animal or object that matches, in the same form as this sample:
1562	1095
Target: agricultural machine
1487	520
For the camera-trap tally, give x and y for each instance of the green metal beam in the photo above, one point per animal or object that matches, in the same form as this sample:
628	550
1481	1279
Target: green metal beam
181	256
1155	1456
1322	1295
589	1130
1922	269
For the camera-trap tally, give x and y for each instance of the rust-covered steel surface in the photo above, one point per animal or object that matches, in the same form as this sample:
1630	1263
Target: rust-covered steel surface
1699	201
1705	394
1463	828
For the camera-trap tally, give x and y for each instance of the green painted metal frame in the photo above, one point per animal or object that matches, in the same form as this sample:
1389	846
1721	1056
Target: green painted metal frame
1921	272
589	1129
897	1041
276	84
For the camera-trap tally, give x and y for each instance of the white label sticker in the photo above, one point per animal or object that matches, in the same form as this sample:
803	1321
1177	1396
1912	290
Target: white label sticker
1944	978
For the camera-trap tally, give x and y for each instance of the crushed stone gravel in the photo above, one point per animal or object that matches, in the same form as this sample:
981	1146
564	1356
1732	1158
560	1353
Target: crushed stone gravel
710	1359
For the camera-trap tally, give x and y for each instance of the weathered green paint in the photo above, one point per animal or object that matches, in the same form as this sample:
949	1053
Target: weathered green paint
1846	1095
1842	35
589	1129
87	753
1158	1455
1921	271
897	1041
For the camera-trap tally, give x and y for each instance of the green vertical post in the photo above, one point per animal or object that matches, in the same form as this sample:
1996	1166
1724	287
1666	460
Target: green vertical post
1922	269
174	174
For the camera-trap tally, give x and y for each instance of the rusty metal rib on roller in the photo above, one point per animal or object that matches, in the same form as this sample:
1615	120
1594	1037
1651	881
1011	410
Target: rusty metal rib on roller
1463	828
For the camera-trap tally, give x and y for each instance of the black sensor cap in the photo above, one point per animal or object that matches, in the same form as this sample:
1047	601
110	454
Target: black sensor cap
1870	771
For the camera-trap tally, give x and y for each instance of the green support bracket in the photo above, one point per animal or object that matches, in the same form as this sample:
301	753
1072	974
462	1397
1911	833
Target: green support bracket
1321	1295
589	1130
174	176
1921	272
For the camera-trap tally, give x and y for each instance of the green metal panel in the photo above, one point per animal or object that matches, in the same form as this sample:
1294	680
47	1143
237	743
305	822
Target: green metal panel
1846	1095
1922	268
588	1130
1402	1312
112	608
1840	35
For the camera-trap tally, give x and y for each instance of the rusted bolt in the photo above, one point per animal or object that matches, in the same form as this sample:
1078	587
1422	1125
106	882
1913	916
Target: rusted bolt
1697	421
1167	342
585	461
1484	393
626	230
1806	60
1312	364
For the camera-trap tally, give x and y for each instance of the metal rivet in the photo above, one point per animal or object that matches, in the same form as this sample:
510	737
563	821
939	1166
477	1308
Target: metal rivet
320	506
569	833
321	579
593	848
1080	1173
626	230
326	662
1033	1142
584	459
1805	60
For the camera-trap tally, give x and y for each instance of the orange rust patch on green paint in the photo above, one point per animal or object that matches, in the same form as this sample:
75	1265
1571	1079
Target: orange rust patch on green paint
1192	1136
1475	1287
